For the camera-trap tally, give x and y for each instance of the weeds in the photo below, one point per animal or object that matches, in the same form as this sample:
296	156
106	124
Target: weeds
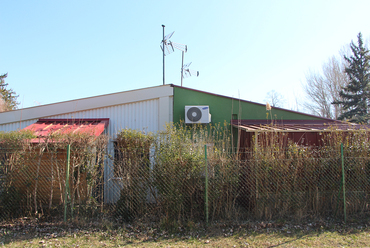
161	177
36	171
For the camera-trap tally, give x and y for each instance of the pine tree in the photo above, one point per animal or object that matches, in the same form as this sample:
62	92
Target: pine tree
8	98
356	95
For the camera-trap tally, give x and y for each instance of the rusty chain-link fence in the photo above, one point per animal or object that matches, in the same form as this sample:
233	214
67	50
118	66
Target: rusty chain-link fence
168	184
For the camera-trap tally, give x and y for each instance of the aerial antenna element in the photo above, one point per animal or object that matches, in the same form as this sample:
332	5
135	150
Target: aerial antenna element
185	71
168	47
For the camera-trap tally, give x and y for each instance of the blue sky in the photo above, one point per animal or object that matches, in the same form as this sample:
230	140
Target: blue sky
62	50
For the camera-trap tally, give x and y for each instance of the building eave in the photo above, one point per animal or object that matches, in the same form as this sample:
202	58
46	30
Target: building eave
85	104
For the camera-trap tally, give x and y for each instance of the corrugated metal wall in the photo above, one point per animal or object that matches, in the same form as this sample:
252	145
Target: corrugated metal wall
16	125
141	115
138	115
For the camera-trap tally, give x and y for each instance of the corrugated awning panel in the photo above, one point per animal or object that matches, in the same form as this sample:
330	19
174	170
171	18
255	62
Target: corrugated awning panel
295	125
43	127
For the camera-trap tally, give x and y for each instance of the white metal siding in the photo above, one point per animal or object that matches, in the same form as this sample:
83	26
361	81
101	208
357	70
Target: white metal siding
16	125
149	115
98	102
138	115
142	115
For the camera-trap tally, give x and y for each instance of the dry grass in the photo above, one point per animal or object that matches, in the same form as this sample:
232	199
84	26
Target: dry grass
165	181
31	233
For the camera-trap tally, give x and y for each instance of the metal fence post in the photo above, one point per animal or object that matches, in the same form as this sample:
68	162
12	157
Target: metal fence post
67	183
206	183
343	183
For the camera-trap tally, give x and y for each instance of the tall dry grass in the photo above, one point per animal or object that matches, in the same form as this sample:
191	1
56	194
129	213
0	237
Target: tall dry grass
163	175
306	182
34	173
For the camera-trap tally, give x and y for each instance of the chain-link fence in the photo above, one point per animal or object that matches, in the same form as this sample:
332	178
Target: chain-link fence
36	183
170	184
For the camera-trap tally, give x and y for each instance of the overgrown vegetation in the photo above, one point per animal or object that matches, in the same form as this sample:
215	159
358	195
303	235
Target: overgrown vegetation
306	182
132	169
280	179
179	174
161	177
33	172
170	187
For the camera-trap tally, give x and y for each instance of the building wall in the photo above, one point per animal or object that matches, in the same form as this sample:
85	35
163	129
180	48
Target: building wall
12	126
147	116
141	115
222	108
146	110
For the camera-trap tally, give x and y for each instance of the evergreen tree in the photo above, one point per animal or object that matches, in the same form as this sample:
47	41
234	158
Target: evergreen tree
8	98
356	95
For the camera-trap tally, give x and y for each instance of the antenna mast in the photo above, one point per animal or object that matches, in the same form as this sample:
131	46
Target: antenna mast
186	72
163	57
182	67
168	47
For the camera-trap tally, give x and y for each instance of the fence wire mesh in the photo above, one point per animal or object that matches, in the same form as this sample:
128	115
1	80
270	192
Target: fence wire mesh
166	184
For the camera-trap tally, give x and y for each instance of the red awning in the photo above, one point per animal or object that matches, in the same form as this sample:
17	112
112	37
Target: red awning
43	127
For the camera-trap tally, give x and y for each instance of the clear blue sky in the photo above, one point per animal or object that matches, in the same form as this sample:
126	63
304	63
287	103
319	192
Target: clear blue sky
62	50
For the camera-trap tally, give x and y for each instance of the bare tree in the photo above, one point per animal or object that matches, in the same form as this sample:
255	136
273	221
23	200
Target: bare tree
322	88
275	99
295	104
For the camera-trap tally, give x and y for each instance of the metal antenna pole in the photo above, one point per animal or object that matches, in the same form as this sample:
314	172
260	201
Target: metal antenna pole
182	67
163	56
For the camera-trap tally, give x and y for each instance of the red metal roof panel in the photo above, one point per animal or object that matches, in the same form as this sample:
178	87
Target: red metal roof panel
44	127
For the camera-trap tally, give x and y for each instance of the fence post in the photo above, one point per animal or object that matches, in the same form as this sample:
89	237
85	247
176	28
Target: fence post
66	191
206	183
343	183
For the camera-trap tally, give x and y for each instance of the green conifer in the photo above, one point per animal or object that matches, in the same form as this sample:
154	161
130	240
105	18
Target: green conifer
355	97
8	98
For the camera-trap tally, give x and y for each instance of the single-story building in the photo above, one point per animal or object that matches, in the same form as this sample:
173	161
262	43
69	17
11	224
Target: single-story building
149	109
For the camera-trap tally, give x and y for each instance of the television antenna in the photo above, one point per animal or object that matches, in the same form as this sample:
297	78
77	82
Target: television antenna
185	71
168	47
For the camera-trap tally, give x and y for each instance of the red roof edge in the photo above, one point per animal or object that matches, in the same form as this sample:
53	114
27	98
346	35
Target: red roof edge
43	127
102	120
282	122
